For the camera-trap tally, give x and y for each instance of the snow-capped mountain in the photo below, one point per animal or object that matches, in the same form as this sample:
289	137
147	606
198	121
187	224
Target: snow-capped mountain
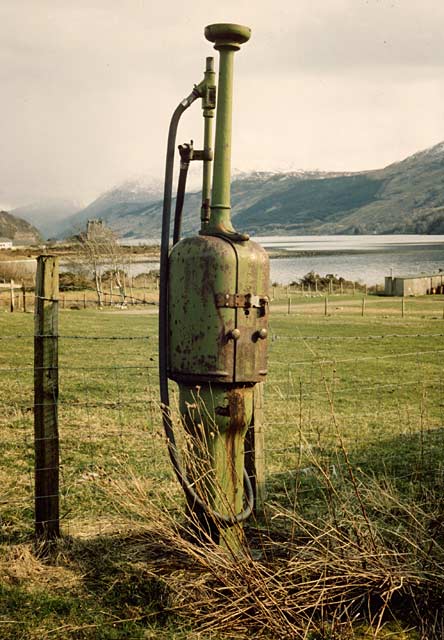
404	197
47	214
128	198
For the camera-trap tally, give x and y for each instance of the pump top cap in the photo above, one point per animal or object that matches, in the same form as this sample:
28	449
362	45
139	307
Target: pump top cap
227	35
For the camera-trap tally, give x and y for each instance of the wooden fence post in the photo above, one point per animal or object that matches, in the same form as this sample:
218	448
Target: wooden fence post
289	304
363	306
326	306
11	297
24	297
254	449
46	388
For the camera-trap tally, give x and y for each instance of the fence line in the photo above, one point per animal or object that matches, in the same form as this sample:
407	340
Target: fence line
110	426
375	337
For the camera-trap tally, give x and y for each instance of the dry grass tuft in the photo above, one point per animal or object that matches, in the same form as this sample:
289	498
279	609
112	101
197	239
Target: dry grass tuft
370	558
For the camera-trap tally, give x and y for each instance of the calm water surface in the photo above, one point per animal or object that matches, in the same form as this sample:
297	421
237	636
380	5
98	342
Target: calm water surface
365	258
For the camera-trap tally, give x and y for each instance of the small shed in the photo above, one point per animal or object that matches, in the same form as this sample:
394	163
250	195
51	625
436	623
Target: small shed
5	243
416	285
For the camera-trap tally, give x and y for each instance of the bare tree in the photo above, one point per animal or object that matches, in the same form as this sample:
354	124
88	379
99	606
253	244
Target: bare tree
99	251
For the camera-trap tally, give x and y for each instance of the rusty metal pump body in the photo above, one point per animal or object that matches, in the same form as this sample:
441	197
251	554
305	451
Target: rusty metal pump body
217	323
218	311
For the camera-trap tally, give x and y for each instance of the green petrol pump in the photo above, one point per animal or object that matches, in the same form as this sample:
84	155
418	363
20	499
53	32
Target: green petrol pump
213	317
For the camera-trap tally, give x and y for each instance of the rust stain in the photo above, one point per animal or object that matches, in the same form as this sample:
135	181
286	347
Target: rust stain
236	403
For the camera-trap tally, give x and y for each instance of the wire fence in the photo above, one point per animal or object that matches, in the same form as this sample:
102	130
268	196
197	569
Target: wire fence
20	298
374	400
108	421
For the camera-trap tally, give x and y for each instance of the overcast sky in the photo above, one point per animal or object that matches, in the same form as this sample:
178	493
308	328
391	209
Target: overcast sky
88	87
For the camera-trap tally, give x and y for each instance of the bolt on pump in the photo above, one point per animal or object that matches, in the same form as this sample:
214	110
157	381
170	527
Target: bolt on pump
213	317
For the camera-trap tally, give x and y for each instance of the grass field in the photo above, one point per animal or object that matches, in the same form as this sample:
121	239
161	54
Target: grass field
351	540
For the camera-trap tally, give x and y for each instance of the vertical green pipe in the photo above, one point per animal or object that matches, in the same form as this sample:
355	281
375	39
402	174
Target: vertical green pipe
222	148
227	39
208	105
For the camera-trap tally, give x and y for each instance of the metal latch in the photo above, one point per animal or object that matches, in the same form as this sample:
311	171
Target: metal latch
241	301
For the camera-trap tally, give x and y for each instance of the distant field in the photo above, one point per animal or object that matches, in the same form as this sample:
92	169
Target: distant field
352	402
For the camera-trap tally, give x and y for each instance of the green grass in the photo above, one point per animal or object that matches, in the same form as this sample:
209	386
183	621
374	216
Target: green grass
344	393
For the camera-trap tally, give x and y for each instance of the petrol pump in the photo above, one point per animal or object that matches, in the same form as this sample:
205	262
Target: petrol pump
213	316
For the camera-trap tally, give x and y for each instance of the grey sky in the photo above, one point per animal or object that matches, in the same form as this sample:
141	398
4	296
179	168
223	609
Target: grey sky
88	86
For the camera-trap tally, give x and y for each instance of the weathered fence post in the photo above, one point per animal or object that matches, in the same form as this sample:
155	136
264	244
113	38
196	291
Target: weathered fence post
84	300
46	388
363	306
326	306
24	297
11	297
289	304
255	449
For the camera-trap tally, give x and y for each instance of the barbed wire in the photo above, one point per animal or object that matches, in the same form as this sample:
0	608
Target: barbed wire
370	337
274	337
91	437
365	358
30	336
350	386
72	368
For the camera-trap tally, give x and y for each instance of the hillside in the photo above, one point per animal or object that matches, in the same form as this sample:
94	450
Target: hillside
134	210
404	197
46	214
18	230
124	202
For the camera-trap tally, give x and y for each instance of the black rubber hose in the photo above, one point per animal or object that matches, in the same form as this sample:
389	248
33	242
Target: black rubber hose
163	335
179	201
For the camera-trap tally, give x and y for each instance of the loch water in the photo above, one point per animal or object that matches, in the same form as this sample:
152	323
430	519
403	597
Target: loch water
367	259
360	258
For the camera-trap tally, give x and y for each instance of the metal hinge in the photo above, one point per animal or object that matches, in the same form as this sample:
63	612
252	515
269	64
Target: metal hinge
241	301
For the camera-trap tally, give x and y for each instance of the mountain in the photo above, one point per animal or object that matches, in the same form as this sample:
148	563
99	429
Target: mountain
47	214
123	201
404	197
134	210
18	230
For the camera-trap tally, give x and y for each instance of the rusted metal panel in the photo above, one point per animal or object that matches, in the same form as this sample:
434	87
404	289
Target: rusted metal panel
214	337
200	348
251	347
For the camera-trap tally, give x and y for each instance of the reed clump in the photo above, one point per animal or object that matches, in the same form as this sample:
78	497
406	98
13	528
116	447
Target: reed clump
371	561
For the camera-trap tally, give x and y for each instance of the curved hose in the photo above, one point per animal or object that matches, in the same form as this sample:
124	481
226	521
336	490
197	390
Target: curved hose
163	334
179	201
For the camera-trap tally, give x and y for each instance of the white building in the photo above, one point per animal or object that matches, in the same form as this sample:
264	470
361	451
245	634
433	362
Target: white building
5	243
417	285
